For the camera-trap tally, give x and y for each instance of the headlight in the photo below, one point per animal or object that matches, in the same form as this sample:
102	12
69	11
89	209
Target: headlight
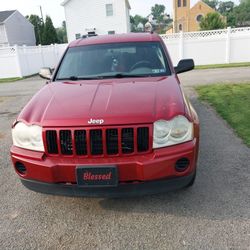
167	133
28	137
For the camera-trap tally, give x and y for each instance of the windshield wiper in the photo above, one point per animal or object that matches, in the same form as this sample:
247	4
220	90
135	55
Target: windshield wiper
76	78
104	76
122	75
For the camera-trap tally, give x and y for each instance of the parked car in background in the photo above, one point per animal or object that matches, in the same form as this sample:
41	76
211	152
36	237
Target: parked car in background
112	121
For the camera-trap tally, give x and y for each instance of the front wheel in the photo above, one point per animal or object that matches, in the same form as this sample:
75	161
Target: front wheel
191	183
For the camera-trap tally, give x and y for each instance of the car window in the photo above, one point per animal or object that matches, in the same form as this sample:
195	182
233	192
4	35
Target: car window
107	60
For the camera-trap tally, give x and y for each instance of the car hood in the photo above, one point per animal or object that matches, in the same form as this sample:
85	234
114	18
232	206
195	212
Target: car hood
115	101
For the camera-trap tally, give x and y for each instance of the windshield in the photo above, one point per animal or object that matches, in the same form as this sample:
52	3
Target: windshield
140	59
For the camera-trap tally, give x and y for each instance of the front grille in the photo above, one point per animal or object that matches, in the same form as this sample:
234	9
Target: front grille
98	142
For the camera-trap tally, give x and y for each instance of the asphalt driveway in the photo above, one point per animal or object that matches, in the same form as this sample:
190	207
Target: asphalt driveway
213	214
210	76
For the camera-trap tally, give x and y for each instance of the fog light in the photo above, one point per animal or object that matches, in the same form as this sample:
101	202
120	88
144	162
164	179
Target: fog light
21	169
182	164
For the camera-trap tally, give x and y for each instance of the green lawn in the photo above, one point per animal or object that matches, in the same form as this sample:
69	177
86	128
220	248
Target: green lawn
14	79
232	102
228	65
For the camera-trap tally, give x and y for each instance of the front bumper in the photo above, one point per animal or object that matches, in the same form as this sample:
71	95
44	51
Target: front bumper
140	174
122	190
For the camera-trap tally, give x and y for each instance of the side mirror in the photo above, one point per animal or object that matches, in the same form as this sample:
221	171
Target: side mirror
45	73
184	65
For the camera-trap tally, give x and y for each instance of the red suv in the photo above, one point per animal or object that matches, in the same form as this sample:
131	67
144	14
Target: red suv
111	121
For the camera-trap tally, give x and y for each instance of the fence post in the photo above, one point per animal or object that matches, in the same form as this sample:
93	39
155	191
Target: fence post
24	48
41	53
55	53
181	46
18	63
25	59
228	43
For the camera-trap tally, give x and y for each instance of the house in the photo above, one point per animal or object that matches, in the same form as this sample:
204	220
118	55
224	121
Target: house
186	19
15	29
96	16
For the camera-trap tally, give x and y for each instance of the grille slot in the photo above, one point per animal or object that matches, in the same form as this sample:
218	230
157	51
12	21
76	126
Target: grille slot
51	142
80	142
112	141
96	144
142	139
127	140
66	142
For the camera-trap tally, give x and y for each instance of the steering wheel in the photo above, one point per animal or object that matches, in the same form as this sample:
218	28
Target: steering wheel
141	64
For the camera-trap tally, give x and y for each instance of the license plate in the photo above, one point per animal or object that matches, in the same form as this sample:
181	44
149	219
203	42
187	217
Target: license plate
88	176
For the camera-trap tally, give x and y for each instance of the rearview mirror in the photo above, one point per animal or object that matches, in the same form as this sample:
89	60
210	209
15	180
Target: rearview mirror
184	66
45	73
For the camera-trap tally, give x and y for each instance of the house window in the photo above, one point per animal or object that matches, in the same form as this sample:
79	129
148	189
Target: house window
179	3
111	32
198	18
109	10
184	3
78	35
180	27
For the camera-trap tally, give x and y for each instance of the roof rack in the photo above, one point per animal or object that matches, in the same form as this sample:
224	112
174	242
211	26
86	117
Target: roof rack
90	34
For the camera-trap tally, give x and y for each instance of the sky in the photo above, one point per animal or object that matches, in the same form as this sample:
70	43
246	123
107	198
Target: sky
56	11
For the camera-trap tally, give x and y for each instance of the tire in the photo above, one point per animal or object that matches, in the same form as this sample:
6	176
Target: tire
191	183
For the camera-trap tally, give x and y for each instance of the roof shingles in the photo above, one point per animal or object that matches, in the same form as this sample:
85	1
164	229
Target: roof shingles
5	14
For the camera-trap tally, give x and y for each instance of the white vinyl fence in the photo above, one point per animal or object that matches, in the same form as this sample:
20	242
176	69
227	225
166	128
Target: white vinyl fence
20	61
210	47
205	47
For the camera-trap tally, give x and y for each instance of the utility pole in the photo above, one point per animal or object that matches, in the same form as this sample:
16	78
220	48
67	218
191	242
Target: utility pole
40	27
41	11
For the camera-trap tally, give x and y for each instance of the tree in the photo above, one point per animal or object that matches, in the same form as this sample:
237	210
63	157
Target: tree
38	27
241	14
162	19
212	3
49	35
237	16
158	12
225	7
212	21
62	33
135	21
231	20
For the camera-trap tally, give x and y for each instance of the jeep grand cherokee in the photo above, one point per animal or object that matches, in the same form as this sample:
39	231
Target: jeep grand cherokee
112	121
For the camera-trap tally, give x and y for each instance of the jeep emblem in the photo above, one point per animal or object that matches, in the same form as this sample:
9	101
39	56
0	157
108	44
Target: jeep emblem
97	121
